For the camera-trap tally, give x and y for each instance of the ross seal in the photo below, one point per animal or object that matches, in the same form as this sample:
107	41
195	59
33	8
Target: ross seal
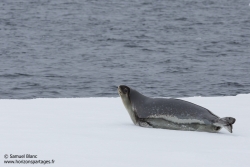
169	113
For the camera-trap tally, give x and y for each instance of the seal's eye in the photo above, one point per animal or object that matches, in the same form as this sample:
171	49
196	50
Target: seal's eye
125	90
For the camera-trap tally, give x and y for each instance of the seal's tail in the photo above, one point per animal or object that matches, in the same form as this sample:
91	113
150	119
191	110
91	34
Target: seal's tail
227	123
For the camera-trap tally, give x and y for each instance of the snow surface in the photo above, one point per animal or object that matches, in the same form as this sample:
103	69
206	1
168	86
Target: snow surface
81	132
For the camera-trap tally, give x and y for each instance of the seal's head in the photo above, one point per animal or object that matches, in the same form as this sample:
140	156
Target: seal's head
124	91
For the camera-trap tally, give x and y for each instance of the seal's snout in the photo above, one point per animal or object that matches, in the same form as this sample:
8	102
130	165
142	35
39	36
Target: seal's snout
119	90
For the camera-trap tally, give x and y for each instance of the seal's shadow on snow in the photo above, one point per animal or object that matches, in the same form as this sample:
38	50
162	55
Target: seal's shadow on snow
178	131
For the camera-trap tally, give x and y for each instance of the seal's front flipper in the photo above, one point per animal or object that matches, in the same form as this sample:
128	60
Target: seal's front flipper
226	122
145	124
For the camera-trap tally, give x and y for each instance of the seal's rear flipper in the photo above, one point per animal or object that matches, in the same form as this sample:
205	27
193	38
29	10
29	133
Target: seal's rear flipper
226	122
229	128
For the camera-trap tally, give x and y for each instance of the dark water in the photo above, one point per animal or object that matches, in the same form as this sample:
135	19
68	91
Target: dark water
85	48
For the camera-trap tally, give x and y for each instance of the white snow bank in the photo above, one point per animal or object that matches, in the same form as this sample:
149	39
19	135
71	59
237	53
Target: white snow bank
86	132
